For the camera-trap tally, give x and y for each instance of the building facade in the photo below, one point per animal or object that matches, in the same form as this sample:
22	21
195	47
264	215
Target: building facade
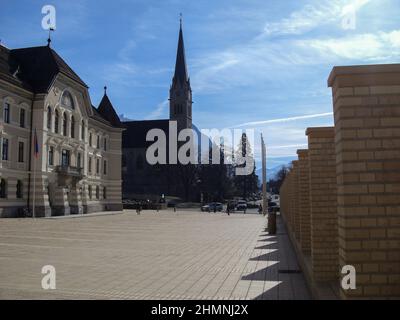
76	166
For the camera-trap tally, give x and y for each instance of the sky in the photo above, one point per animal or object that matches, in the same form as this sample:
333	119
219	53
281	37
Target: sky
256	64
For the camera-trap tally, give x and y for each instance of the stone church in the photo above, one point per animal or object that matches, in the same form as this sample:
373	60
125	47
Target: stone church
140	179
77	167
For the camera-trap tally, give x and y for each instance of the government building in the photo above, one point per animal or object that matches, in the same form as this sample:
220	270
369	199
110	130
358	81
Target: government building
59	154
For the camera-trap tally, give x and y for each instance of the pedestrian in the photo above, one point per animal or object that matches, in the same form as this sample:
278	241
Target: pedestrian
228	209
260	209
215	209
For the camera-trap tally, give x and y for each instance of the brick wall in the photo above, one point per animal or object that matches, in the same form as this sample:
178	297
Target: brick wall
323	204
367	129
295	200
304	201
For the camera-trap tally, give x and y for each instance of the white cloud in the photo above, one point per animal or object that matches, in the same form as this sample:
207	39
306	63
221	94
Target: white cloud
357	47
158	111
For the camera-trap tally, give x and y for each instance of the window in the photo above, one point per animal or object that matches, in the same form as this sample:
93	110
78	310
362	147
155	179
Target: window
22	118
51	156
90	139
105	144
20	151
19	190
83	131
90	192
78	160
105	167
67	100
72	127
65	157
3	188
97	192
64	125
98	142
56	121
104	193
5	149
90	164
97	166
6	114
49	118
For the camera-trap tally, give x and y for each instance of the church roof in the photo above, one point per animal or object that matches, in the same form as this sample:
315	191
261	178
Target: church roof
107	111
135	133
181	73
38	66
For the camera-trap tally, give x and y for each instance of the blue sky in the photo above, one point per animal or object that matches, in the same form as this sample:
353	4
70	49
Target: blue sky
261	64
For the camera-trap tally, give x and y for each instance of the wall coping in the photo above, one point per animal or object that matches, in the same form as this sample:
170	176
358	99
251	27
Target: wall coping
320	131
302	152
360	70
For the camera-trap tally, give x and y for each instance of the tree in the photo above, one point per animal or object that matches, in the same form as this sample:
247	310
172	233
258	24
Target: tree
246	184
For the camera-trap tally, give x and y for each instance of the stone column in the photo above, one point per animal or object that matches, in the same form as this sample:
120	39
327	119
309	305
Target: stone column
323	204
304	202
367	124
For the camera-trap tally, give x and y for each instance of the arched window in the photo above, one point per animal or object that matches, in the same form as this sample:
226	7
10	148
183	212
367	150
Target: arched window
83	130
72	127
19	190
90	192
97	192
104	193
56	121
67	100
49	118
64	125
139	162
3	188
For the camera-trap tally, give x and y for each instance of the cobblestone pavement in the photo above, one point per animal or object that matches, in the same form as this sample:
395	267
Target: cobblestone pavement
166	255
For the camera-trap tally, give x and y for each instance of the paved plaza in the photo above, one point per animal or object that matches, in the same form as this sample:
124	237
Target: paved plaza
165	255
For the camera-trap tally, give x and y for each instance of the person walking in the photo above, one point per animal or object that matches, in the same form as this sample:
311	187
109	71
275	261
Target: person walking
260	209
228	209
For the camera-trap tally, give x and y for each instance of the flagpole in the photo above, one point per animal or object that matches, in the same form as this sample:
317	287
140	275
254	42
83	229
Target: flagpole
264	177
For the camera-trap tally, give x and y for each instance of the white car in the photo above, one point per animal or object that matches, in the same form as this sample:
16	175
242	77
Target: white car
241	205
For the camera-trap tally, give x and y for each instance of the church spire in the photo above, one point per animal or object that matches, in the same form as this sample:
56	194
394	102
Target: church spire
181	73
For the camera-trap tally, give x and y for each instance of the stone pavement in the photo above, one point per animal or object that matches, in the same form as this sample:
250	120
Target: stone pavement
166	255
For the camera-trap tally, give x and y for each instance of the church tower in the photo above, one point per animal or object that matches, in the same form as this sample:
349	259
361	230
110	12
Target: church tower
180	93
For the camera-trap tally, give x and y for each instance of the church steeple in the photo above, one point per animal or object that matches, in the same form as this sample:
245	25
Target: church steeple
181	73
180	93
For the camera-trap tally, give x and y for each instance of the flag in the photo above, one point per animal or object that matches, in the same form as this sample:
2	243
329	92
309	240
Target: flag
35	145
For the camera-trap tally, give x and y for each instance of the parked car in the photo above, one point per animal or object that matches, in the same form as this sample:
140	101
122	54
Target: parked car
241	205
210	207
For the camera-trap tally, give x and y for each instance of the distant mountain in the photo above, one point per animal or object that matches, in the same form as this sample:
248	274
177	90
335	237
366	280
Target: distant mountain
276	164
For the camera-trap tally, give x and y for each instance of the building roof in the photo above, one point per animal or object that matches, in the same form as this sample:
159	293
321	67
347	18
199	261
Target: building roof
107	111
38	66
135	133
